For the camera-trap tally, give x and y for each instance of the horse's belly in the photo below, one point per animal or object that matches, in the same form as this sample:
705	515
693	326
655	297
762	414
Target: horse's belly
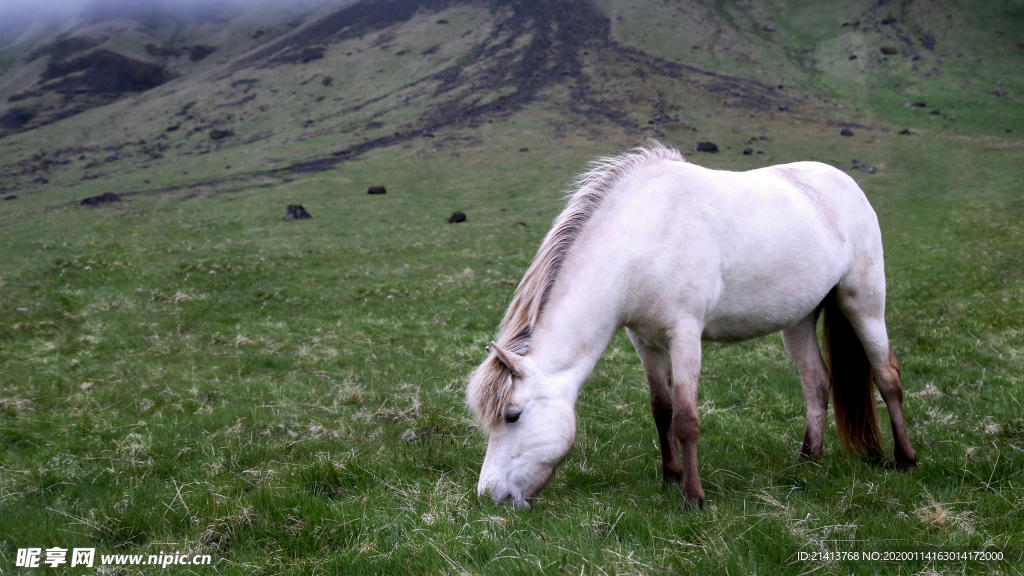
738	329
750	310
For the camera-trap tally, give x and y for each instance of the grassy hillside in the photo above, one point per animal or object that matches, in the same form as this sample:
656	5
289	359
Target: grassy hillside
183	371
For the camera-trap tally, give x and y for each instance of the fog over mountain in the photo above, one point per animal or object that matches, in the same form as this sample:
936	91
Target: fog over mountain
18	17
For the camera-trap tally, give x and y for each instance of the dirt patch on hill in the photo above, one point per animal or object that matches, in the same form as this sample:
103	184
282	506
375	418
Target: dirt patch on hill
102	71
535	46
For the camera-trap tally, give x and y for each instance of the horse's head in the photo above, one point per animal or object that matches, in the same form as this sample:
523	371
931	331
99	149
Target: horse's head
531	425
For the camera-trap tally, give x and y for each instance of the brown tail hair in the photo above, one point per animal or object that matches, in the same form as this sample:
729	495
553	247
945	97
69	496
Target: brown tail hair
852	389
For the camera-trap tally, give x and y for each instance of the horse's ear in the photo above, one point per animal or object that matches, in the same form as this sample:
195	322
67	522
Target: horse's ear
511	360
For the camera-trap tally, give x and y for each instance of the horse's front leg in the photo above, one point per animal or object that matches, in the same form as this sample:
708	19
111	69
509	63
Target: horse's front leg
685	422
658	368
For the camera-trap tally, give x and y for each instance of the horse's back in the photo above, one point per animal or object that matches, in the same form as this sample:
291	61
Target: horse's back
752	252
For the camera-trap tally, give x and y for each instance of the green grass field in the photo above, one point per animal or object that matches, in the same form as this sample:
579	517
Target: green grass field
184	371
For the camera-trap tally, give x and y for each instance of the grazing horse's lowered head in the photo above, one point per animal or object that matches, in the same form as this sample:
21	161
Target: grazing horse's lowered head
531	427
677	254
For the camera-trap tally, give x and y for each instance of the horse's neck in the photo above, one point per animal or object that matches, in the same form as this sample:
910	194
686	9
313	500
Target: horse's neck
579	320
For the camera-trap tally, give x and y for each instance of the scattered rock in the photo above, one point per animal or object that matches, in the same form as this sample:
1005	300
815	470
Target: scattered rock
376	190
456	217
852	57
846	132
105	198
916	104
748	151
442	21
768	28
998	93
935	111
295	212
706	147
868	169
928	41
855	161
524	149
15	196
1008	131
218	134
173	127
887	20
327	81
783	108
889	50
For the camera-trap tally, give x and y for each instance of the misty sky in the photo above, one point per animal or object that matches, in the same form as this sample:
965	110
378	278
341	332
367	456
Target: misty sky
20	16
54	11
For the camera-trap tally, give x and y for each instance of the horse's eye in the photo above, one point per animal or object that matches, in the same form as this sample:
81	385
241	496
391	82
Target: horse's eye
512	417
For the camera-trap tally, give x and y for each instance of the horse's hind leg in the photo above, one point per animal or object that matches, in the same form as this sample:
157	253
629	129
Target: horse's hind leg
886	374
802	345
866	312
658	367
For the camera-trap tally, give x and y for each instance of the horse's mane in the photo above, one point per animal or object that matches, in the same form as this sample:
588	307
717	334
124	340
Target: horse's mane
490	385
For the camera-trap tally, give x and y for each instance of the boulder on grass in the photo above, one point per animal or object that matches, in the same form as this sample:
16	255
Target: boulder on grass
376	190
706	147
457	217
105	198
295	212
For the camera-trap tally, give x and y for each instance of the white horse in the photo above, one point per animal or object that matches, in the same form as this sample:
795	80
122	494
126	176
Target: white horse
676	254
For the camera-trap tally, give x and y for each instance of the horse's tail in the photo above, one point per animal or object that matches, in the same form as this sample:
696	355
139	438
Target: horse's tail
852	390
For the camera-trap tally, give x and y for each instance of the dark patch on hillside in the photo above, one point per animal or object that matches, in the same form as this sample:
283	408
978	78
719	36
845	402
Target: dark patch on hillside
102	71
559	36
15	118
354	21
163	51
200	52
64	47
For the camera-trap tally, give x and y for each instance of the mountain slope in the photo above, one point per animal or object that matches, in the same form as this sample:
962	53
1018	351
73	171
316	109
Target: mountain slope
380	73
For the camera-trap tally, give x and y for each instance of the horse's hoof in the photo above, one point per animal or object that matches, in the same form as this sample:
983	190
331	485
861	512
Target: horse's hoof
806	458
904	462
692	504
874	458
693	499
